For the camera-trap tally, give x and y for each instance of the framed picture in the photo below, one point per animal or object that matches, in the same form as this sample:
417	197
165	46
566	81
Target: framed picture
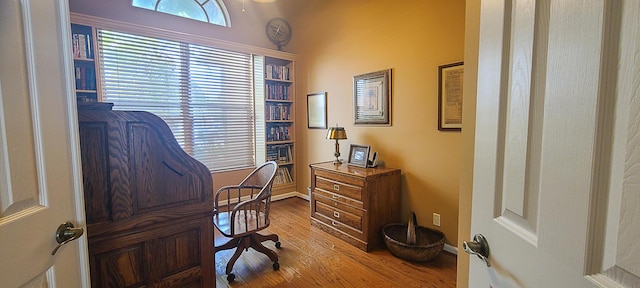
358	155
372	98
317	110
450	80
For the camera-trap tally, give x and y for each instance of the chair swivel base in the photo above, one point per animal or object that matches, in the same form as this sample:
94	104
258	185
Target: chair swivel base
250	241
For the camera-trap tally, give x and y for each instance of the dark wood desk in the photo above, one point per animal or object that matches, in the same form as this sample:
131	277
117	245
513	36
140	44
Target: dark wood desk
148	204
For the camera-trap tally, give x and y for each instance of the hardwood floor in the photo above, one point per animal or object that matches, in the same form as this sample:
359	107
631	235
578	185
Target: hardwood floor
312	258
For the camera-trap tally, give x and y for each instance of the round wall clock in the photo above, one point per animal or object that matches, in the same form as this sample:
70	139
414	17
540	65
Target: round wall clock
279	32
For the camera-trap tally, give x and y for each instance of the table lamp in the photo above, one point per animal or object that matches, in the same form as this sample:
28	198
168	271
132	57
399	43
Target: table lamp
337	133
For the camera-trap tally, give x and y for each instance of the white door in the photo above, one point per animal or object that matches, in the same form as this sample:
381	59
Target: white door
40	184
557	152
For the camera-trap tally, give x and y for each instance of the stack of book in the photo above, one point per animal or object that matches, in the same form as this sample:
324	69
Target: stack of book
277	91
277	72
277	112
282	176
279	153
81	44
85	78
278	133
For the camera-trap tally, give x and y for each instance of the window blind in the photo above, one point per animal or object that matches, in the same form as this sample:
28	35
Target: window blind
204	94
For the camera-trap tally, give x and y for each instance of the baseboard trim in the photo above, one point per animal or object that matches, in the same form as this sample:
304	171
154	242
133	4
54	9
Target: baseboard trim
289	195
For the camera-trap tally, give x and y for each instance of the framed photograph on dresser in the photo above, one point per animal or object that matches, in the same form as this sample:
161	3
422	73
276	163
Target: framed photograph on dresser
358	155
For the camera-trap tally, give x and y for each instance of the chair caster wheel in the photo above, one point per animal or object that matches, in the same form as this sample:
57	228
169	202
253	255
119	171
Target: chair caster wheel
231	277
278	244
276	266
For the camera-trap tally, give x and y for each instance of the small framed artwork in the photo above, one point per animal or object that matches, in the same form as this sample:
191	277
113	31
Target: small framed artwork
317	110
372	98
358	155
450	80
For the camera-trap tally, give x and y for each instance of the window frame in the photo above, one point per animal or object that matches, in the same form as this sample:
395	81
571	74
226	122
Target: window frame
219	3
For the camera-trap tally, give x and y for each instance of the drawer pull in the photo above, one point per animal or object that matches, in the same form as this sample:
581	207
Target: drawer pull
336	214
336	187
334	223
334	196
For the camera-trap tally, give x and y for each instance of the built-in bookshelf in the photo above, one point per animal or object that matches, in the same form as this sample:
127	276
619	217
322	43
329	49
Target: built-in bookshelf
84	63
279	120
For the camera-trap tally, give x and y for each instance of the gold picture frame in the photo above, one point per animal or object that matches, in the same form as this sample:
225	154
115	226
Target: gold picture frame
372	98
450	88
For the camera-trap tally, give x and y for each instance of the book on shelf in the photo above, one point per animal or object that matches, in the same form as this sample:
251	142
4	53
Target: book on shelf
81	44
277	91
288	177
278	133
277	112
279	72
85	78
283	176
280	153
83	98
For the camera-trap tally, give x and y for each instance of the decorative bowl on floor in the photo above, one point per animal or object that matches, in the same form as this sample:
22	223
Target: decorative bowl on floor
428	242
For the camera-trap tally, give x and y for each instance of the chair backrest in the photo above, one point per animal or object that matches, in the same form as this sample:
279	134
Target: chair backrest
248	215
262	176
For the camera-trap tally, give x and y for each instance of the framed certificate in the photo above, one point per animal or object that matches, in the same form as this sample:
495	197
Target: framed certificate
317	110
450	80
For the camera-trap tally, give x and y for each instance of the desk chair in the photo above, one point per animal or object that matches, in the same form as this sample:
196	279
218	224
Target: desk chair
243	220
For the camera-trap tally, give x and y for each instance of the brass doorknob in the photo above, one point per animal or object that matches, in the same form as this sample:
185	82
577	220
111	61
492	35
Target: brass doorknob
66	233
479	247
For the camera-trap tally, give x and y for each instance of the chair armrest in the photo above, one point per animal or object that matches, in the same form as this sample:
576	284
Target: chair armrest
234	195
216	202
255	204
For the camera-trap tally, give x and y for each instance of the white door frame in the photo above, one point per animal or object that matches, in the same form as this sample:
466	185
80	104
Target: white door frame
72	116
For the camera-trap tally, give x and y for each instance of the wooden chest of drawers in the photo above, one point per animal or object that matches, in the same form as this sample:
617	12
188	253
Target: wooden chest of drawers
354	203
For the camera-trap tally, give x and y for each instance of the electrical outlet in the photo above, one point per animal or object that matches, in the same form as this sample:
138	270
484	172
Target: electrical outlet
436	219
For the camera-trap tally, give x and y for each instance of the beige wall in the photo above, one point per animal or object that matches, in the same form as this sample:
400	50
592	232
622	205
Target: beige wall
336	40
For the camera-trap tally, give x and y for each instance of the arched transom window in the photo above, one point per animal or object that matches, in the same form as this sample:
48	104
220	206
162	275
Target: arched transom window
211	11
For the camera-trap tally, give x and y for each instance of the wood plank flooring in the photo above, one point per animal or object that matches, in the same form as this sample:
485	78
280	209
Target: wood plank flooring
312	258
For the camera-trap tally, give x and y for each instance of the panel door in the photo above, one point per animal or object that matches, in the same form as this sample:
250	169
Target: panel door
556	175
40	186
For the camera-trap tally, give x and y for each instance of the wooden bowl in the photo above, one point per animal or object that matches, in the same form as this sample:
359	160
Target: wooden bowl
429	242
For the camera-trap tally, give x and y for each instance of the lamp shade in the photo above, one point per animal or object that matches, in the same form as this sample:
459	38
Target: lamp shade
337	133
